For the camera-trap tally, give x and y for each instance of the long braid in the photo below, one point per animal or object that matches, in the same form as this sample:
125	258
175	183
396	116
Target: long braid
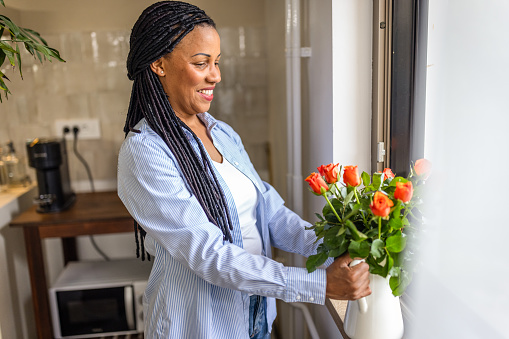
156	33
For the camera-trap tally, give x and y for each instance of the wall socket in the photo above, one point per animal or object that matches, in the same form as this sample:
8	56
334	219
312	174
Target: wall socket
89	129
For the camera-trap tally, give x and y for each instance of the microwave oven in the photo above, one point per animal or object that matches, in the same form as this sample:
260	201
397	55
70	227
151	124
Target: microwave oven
99	298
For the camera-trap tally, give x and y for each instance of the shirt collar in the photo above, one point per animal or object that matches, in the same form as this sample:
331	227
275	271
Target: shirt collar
209	121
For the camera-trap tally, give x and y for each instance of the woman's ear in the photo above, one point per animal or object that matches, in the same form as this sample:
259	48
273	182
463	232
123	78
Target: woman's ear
157	67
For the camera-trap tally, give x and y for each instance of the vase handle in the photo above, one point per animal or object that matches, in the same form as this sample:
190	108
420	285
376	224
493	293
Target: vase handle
363	304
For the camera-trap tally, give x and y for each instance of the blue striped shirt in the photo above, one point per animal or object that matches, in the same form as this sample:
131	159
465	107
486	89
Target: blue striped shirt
200	284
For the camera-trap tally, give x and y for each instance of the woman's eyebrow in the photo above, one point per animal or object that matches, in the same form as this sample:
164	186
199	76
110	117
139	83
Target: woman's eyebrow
205	54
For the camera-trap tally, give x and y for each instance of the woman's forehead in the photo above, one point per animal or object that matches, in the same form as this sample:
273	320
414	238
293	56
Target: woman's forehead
200	40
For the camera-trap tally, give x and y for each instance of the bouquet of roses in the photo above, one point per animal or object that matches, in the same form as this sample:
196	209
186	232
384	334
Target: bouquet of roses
371	217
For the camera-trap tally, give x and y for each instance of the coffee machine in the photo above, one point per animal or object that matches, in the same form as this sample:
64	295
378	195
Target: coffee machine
49	158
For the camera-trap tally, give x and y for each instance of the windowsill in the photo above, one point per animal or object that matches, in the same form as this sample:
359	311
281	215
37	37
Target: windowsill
337	309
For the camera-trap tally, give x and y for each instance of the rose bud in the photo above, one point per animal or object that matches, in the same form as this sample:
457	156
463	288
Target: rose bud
317	184
423	168
351	176
388	173
381	205
404	191
330	172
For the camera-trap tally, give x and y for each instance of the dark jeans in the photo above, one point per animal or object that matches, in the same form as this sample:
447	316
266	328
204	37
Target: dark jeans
258	328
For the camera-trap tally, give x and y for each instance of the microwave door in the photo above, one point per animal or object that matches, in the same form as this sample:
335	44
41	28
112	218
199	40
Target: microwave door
95	311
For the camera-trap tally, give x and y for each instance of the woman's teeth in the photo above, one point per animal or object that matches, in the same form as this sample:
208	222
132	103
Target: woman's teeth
206	91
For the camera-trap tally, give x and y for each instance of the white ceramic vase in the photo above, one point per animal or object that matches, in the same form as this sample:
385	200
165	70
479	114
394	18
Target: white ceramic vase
377	316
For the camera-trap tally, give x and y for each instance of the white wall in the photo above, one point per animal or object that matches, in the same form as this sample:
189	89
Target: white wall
337	124
461	289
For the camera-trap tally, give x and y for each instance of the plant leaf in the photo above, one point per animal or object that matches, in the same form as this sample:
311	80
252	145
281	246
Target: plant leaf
365	178
377	248
356	234
315	260
396	243
359	249
349	197
399	283
377	180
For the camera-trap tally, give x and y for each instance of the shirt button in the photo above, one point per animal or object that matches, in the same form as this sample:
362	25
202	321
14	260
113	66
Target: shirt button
311	299
297	297
235	163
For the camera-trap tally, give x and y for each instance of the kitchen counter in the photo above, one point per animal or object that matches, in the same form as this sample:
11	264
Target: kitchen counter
16	319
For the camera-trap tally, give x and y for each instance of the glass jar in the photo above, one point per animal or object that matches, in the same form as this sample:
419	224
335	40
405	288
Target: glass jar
3	173
14	168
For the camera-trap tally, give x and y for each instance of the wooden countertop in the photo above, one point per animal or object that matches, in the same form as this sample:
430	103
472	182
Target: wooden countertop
82	218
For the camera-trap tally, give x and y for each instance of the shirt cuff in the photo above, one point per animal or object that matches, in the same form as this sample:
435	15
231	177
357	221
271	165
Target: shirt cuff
306	287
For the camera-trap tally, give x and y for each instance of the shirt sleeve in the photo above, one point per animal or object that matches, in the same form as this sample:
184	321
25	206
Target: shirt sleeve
154	192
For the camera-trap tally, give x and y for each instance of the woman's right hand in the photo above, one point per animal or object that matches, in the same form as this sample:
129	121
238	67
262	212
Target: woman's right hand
345	282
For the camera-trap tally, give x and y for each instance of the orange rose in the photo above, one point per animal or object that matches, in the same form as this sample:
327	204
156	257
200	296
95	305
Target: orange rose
351	176
330	172
318	185
404	191
381	205
388	173
423	168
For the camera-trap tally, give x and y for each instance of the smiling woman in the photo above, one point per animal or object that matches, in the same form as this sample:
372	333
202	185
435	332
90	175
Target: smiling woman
204	213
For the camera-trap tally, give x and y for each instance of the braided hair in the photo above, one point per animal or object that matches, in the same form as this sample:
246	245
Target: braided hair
158	30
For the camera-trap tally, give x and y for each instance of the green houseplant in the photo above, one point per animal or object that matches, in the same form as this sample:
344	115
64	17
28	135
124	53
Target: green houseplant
11	36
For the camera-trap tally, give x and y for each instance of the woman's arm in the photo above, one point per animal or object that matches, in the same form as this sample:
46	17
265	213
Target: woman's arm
152	188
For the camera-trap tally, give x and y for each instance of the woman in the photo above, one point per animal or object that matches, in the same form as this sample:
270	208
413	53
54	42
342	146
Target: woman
204	214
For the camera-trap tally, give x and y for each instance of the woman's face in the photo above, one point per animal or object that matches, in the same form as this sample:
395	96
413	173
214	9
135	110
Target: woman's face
190	72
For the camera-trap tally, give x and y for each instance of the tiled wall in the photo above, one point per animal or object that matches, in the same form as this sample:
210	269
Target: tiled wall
93	84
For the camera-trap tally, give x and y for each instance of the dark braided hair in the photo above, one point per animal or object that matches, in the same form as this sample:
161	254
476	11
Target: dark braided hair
158	30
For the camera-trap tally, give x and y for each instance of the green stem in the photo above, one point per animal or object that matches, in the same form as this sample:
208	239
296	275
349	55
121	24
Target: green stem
333	209
336	191
379	227
356	197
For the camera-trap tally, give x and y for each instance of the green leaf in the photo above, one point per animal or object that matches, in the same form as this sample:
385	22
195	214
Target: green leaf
356	234
342	230
377	248
319	216
377	180
353	212
396	243
331	239
395	180
18	58
2	2
2	57
365	178
399	283
395	223
314	261
375	267
349	197
359	249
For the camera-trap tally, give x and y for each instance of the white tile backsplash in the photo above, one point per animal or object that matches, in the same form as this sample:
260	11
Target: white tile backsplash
93	83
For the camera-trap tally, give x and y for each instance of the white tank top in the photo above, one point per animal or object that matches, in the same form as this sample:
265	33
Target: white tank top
246	198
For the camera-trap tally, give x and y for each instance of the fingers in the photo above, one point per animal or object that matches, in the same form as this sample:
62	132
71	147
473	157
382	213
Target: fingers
345	282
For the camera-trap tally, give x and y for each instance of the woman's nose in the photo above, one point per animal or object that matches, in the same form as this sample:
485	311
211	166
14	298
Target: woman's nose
214	74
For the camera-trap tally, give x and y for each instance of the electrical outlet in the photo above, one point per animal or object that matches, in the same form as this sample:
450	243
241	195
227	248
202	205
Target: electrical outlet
88	128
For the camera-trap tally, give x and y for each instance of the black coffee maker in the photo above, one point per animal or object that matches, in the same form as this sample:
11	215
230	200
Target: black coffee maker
49	158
